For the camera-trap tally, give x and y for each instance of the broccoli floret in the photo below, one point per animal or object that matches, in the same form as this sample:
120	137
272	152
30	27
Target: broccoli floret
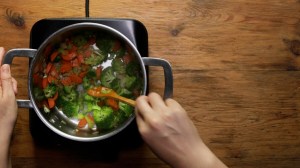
105	44
96	58
86	83
79	40
116	84
72	96
50	90
118	65
91	73
126	109
70	109
120	53
132	68
129	81
119	118
107	76
38	94
104	118
68	89
124	92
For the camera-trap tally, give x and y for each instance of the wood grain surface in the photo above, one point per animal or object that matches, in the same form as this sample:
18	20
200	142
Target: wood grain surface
236	72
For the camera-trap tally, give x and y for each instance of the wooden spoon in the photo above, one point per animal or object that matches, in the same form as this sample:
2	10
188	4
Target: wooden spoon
101	91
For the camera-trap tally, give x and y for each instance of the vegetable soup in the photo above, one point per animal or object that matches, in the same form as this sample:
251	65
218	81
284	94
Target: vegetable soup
82	61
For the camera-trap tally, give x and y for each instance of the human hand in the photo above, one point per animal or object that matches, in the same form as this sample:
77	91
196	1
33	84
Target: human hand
8	110
8	90
171	135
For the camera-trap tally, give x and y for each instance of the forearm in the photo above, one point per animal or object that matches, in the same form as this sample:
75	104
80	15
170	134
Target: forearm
200	157
4	149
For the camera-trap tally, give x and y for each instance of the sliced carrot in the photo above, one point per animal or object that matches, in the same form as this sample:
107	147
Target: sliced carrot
52	79
36	79
82	74
53	72
51	103
117	45
129	49
92	40
65	67
98	72
87	53
45	82
66	81
127	58
90	120
55	96
48	67
69	56
48	50
112	103
75	63
76	79
74	48
80	59
82	123
53	55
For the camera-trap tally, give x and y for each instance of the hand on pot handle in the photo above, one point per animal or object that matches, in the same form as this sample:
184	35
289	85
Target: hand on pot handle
8	110
171	135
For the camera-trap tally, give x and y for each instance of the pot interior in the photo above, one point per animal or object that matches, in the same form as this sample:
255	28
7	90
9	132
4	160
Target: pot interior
75	59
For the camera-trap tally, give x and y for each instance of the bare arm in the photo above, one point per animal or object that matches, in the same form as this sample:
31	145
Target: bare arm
171	135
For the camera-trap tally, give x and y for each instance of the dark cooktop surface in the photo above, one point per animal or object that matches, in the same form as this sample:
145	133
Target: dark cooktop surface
129	137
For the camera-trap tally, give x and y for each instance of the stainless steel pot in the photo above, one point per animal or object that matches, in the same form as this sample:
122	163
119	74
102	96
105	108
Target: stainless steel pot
55	120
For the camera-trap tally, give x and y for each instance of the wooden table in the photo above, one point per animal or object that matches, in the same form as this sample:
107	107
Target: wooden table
236	72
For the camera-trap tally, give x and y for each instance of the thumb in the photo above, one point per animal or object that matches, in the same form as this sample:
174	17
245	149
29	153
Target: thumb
6	80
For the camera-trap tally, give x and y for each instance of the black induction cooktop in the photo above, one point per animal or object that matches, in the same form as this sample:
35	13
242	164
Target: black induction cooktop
129	137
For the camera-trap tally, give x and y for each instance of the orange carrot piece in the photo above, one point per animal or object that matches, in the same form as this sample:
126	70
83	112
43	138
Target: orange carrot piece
82	74
51	103
87	53
112	103
55	96
52	79
53	55
36	79
75	79
117	45
90	120
82	123
80	59
45	82
127	58
98	72
75	63
48	68
48	50
53	72
65	67
66	81
69	56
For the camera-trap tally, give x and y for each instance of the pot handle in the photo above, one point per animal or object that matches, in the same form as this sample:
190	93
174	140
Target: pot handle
168	93
20	52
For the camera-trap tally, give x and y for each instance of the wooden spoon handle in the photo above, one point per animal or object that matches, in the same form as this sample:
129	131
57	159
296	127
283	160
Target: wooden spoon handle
124	99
